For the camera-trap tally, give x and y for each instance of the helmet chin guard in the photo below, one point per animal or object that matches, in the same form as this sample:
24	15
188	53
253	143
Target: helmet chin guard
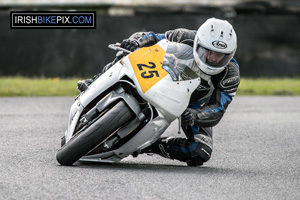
217	36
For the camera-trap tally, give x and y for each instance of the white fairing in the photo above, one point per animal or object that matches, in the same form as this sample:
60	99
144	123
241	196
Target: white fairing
75	112
168	97
171	98
109	78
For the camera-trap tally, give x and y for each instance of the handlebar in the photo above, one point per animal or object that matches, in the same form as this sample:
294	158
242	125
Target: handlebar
118	48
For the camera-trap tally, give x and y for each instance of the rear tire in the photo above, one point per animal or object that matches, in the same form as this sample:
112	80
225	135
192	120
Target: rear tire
96	133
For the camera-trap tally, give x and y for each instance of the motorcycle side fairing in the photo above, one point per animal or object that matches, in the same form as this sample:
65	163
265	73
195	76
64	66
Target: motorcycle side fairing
107	79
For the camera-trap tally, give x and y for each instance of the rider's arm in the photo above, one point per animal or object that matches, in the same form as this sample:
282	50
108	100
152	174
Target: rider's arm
227	84
181	35
178	35
146	39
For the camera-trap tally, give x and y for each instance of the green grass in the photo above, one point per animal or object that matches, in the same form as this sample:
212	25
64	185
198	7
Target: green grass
20	86
269	86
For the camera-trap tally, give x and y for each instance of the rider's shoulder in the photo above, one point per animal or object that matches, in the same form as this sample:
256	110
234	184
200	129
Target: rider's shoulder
229	79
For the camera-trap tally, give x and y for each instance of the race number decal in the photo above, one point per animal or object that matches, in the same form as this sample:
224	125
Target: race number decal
147	66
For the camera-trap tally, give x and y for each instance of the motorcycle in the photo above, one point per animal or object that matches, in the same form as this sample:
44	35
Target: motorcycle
127	108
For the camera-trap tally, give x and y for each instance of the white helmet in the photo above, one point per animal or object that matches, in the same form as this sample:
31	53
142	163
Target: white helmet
214	35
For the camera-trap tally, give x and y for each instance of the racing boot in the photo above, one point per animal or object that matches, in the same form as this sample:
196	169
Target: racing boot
194	152
161	147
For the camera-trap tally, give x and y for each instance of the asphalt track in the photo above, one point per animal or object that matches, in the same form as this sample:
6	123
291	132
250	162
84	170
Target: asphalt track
256	156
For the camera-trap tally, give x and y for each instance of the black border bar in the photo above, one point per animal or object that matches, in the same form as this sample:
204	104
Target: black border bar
53	20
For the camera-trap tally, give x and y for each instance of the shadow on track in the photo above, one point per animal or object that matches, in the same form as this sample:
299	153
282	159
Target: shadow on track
168	168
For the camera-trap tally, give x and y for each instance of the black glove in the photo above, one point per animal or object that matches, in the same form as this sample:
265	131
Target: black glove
130	44
188	117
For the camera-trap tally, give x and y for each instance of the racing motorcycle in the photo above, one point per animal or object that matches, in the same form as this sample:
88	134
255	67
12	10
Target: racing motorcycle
127	108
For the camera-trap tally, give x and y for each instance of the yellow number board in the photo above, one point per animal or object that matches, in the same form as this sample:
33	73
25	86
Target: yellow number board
147	66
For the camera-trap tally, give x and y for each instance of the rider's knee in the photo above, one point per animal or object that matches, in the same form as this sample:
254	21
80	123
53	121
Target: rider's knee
201	155
204	148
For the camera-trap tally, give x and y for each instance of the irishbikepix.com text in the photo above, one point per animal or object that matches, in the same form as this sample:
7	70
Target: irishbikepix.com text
47	19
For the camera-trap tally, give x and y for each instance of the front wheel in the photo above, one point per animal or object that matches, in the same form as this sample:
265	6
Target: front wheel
85	141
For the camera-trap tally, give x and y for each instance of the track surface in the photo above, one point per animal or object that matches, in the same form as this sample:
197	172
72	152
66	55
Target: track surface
256	156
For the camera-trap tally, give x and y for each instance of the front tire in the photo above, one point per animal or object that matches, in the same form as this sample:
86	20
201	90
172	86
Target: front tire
85	141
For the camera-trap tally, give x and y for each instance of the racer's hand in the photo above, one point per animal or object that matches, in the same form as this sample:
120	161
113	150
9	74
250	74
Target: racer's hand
188	117
130	44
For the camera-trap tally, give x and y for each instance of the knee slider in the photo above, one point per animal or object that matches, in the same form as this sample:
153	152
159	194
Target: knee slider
196	161
204	152
205	146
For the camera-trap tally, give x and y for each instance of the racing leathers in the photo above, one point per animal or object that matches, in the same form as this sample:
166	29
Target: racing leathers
207	104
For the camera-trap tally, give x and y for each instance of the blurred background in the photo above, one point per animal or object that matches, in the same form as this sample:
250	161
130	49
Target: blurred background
268	34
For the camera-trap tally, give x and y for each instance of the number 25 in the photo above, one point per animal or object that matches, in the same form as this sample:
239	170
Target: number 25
150	73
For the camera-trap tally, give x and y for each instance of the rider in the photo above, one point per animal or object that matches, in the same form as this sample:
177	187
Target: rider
211	48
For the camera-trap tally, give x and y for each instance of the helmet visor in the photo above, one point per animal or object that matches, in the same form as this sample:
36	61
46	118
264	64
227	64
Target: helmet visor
213	59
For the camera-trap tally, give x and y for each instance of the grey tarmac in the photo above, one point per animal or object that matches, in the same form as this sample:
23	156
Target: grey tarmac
256	156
